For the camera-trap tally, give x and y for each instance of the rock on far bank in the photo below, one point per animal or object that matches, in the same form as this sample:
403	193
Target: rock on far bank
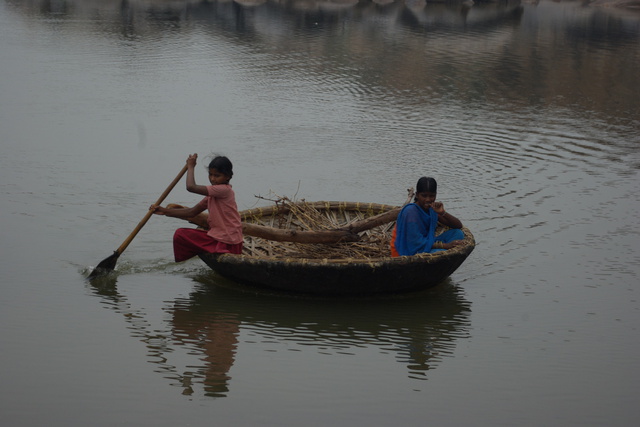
631	4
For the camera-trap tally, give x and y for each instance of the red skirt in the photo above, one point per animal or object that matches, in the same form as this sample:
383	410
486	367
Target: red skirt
189	242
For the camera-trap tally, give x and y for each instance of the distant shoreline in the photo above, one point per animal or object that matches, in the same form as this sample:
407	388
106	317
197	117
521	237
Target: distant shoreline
629	4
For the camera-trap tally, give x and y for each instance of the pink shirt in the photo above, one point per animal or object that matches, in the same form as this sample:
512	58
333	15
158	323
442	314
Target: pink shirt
224	220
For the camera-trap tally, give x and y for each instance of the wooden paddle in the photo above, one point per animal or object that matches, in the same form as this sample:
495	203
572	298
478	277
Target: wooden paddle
108	264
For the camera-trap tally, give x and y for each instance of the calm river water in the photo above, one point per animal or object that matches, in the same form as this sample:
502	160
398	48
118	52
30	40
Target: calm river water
526	113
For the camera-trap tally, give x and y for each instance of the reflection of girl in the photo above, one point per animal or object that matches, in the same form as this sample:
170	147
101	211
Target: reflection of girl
225	228
213	336
416	225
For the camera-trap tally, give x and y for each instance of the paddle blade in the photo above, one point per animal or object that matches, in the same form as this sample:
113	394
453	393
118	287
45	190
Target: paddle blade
105	267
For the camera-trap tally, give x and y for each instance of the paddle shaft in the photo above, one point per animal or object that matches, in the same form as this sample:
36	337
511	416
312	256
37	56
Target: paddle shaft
144	220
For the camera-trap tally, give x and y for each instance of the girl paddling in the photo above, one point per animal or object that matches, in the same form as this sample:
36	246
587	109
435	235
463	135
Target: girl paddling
225	228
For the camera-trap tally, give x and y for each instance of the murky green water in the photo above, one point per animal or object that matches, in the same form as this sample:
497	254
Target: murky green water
527	114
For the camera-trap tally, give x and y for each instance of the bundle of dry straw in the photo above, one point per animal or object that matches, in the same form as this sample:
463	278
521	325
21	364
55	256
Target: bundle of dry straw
304	216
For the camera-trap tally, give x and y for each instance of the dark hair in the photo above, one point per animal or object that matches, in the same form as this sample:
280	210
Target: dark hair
427	184
223	165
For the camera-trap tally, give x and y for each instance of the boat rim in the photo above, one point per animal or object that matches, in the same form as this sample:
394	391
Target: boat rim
372	208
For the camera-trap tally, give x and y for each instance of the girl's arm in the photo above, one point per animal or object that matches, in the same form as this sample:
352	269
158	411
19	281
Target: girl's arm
445	217
449	220
192	187
183	213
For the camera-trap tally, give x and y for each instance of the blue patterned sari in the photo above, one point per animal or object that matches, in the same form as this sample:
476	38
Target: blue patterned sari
416	231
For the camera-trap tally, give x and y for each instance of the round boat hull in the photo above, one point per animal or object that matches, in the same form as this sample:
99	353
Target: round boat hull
386	275
275	266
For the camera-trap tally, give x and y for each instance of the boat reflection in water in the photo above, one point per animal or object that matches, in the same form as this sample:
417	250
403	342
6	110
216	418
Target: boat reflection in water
196	345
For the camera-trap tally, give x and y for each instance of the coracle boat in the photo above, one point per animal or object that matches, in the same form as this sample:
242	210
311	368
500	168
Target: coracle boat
330	248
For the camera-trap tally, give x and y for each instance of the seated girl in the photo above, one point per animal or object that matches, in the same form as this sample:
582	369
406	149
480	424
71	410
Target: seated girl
416	224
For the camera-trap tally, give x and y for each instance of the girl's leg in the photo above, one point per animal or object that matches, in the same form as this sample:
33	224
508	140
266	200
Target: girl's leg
189	242
450	235
447	237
